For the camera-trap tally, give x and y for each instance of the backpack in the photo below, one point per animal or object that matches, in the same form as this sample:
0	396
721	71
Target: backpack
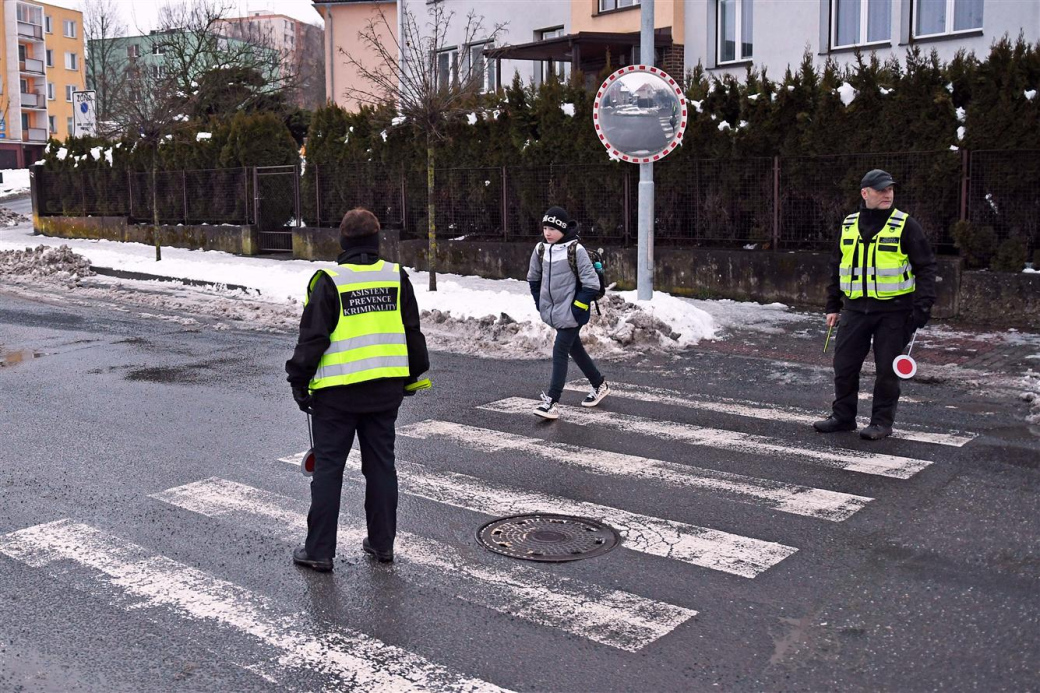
572	260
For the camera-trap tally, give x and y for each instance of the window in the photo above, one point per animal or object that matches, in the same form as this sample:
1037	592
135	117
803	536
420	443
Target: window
48	24
561	69
24	84
25	121
447	68
71	129
71	61
855	22
68	28
133	51
52	121
50	58
69	88
482	69
607	5
21	53
50	91
29	14
158	49
734	31
158	71
934	17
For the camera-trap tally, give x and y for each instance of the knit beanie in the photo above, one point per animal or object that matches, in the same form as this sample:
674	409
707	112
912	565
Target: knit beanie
558	218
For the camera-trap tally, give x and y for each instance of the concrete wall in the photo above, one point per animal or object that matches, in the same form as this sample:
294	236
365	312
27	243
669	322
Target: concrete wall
322	244
240	240
782	31
988	298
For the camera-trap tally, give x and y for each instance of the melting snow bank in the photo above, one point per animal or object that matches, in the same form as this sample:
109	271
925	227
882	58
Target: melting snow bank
1031	381
59	264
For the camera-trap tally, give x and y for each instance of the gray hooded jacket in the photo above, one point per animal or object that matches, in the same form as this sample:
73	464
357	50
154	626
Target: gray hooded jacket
555	287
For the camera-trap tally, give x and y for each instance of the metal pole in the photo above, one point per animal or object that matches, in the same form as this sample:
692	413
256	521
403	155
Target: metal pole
645	252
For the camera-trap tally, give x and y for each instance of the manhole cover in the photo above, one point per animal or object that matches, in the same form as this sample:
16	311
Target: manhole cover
549	538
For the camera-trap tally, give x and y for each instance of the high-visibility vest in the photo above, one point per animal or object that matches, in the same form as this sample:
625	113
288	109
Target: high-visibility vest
878	269
369	341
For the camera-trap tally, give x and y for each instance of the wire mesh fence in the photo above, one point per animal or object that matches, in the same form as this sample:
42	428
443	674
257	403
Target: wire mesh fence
1002	194
329	192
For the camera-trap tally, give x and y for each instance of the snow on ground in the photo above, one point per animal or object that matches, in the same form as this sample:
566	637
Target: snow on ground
16	182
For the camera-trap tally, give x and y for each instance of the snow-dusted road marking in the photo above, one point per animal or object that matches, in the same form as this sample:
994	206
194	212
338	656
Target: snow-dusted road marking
789	498
604	615
850	460
355	660
700	546
758	411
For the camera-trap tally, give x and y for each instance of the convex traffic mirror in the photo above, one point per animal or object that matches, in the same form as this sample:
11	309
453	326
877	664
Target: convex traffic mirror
640	114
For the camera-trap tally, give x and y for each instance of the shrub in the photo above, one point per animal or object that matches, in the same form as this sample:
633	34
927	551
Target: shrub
976	243
1011	256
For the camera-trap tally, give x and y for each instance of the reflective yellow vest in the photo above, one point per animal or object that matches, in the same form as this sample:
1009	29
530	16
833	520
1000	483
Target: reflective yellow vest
368	342
878	269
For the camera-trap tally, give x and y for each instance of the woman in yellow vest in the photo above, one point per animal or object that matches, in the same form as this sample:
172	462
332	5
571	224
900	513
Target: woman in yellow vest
360	349
883	270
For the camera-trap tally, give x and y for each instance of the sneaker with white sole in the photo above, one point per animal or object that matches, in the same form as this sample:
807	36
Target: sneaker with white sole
596	395
547	409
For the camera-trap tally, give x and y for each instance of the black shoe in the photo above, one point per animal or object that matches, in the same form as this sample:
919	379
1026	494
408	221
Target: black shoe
833	425
300	557
875	432
381	556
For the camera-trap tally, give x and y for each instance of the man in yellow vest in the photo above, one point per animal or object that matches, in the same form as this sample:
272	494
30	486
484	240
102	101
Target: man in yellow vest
359	352
883	269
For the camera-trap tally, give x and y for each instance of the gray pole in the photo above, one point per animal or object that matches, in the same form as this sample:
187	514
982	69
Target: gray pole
645	250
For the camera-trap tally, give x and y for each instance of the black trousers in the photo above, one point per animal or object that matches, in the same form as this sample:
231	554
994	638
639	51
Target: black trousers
889	333
568	346
333	437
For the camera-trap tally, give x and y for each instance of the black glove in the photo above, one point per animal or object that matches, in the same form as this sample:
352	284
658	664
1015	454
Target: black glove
304	399
581	314
921	317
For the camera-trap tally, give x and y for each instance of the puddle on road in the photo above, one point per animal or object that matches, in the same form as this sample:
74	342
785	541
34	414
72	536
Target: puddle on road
10	358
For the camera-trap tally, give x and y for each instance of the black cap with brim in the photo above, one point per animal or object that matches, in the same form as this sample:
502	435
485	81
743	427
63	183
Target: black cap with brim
877	179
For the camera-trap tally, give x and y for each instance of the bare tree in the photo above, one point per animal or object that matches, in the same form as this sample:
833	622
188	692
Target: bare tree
107	60
428	86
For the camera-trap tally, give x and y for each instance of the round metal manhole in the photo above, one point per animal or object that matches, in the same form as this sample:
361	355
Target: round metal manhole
548	538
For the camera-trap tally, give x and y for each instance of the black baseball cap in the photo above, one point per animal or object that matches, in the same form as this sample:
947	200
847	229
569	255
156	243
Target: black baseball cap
877	179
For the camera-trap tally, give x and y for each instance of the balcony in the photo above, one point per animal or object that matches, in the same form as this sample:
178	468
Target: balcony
31	32
31	66
35	100
34	135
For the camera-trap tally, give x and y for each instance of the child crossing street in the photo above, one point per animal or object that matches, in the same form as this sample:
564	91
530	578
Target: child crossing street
564	283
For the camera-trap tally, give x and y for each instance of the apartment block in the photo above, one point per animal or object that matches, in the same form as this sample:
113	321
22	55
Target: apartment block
41	65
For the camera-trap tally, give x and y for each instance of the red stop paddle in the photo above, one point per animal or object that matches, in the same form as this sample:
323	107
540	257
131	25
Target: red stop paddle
307	462
905	366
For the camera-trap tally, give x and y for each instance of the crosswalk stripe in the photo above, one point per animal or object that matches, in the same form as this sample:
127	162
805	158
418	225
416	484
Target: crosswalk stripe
608	616
758	411
850	460
700	546
789	498
355	659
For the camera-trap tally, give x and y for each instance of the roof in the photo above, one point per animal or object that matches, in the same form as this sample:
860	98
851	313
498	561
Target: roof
588	42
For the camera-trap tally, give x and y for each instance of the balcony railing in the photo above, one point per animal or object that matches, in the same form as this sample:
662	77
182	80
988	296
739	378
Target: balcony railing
31	65
34	135
30	31
34	99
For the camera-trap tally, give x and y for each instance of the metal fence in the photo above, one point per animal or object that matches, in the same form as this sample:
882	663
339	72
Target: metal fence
772	202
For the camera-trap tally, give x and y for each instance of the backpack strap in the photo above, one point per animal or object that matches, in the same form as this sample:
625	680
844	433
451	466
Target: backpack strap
541	252
572	260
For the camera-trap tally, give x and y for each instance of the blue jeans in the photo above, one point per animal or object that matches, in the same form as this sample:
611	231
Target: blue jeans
568	345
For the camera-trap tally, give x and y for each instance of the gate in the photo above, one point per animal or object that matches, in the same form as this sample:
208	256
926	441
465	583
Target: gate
276	191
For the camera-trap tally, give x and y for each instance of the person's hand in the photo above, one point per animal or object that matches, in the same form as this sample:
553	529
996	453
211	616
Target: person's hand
580	311
304	399
832	319
921	318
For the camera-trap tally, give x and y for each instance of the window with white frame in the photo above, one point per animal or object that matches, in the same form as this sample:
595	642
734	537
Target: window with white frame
158	49
859	22
482	69
133	51
68	28
937	17
69	88
49	54
71	61
52	121
50	91
736	19
48	24
70	128
447	68
561	69
607	5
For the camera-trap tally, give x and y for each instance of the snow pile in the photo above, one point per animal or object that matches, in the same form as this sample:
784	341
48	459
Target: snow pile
9	218
56	263
16	182
1031	381
847	93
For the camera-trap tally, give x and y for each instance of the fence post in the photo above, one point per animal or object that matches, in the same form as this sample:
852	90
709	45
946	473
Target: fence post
776	203
245	197
505	206
184	194
130	193
317	196
624	207
965	178
404	201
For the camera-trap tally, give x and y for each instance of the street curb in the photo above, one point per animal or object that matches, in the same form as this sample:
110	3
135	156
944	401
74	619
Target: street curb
126	274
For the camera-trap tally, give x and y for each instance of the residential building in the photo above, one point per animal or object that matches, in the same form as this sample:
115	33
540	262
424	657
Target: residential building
298	43
41	65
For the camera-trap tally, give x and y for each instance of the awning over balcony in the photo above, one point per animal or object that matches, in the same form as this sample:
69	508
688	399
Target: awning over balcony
586	50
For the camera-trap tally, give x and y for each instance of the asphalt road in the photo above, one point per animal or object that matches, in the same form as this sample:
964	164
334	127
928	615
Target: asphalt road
146	525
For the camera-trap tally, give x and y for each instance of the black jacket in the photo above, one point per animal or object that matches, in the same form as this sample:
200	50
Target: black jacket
320	317
913	244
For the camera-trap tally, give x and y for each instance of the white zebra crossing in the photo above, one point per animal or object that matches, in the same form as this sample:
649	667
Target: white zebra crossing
785	497
761	411
608	616
355	660
849	460
700	546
